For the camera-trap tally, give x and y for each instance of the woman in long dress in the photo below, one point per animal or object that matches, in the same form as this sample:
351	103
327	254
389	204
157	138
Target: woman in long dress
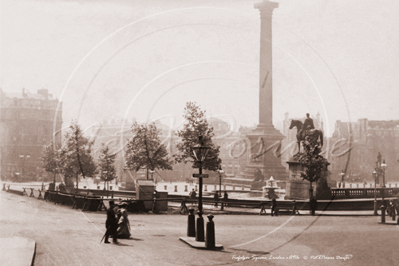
123	230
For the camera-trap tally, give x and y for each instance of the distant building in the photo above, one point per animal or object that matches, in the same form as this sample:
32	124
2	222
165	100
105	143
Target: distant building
367	138
26	127
233	151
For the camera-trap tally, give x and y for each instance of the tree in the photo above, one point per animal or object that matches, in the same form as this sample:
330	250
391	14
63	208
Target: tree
52	159
107	165
144	149
312	161
77	152
196	126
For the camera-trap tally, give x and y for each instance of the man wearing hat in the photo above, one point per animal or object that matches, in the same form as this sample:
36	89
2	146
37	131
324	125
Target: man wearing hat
112	223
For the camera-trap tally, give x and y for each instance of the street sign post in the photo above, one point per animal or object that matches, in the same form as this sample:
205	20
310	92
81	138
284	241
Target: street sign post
201	175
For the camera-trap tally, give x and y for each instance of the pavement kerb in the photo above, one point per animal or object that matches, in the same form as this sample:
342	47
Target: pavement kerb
17	251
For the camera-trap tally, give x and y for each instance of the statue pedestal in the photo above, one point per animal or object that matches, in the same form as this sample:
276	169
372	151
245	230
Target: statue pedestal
297	188
263	158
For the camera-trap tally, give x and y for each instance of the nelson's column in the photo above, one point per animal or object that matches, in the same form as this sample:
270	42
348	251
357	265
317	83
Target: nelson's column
265	134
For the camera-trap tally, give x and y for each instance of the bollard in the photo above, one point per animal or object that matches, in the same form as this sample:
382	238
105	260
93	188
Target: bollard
210	233
382	213
205	188
199	236
185	188
191	223
4	187
165	187
8	187
175	188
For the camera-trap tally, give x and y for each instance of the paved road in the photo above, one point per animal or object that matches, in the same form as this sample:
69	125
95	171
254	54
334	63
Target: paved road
71	237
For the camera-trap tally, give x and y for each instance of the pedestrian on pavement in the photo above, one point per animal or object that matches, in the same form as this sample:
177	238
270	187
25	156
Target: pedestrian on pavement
225	195
112	223
123	230
192	194
313	205
274	207
216	198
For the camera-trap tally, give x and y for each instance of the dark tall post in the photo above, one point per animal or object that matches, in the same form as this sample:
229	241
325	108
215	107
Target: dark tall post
199	154
191	223
220	184
375	193
199	236
200	221
200	190
383	206
210	233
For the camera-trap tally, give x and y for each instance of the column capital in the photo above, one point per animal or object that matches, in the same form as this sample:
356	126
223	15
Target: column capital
266	7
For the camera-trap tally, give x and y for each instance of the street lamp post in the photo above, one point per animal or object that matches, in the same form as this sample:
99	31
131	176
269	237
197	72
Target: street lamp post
199	152
375	192
342	174
221	172
383	206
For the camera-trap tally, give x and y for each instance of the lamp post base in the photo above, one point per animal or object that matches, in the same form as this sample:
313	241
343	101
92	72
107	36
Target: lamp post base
375	207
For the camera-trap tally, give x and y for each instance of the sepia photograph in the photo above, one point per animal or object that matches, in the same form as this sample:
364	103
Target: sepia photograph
186	132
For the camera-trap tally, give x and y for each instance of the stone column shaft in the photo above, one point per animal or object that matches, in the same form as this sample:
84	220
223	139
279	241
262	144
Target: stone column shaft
265	70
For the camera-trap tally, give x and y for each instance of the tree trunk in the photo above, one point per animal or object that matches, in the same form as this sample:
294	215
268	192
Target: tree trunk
77	181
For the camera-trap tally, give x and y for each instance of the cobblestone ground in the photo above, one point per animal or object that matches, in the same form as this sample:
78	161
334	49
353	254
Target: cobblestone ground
70	237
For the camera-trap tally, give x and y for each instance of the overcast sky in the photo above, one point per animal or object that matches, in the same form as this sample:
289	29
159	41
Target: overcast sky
146	59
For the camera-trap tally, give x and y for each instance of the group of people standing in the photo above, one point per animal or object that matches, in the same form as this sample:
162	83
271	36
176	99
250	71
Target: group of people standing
117	222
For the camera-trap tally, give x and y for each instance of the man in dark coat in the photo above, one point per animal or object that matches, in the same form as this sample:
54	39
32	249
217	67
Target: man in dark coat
112	223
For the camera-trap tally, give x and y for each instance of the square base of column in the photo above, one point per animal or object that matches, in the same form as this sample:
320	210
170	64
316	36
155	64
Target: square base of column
198	245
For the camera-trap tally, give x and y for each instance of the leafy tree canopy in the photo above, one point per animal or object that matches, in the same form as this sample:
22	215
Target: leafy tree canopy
196	125
51	159
77	153
145	150
311	159
107	164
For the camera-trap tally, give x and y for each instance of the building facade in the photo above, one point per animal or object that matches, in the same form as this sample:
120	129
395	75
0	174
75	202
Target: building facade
355	147
27	121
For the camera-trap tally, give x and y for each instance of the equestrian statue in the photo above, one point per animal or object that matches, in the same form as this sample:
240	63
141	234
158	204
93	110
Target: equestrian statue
302	128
